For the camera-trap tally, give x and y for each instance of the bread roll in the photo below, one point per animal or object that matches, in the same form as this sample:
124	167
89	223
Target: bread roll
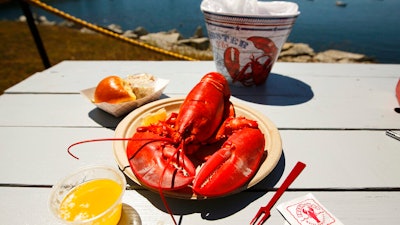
114	89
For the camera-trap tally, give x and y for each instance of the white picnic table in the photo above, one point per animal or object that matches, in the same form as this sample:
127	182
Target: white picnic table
332	117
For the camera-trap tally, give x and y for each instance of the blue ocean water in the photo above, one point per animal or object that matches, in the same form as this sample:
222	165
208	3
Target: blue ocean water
370	27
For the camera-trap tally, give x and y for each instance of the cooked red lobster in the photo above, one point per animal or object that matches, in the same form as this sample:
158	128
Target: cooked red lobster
204	133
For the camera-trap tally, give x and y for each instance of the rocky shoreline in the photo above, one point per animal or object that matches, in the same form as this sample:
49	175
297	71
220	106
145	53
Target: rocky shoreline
199	45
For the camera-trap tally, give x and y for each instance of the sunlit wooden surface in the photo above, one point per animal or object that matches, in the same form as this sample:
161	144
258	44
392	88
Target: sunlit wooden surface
333	117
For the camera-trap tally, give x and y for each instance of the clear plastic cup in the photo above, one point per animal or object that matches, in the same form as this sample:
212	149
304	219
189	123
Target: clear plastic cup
67	185
246	46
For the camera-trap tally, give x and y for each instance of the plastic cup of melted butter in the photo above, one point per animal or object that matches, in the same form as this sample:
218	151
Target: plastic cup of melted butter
92	195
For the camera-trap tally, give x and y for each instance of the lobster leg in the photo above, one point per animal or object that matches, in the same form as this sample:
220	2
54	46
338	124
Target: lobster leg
158	164
233	165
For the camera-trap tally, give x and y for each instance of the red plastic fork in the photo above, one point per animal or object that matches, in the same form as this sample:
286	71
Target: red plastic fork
265	210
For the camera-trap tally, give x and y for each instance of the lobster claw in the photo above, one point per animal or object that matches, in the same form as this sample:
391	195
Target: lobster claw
233	165
265	44
157	164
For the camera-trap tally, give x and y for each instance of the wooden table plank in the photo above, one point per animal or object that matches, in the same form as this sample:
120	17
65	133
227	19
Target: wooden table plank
73	110
62	110
73	76
29	206
346	97
338	159
38	155
335	159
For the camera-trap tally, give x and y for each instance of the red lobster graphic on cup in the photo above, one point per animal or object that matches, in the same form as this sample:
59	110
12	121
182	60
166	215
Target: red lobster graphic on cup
257	69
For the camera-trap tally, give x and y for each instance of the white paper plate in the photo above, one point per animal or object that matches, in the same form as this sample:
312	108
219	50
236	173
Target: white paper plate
121	109
128	125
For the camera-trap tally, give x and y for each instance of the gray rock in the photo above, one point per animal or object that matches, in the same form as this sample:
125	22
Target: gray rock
140	31
199	32
130	34
162	39
116	28
22	19
296	50
341	57
161	36
300	52
202	43
172	31
87	30
66	23
44	21
298	58
286	46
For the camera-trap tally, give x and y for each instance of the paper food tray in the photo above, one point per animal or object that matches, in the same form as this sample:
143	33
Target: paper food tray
121	109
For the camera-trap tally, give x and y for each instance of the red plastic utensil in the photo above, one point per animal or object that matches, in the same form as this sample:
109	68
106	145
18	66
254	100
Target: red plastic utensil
265	210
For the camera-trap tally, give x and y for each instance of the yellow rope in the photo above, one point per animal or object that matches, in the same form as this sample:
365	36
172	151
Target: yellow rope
105	31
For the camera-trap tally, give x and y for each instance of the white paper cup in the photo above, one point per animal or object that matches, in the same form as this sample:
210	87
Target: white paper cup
245	47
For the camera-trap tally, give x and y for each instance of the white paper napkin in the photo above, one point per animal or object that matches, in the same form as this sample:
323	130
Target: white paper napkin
252	7
307	210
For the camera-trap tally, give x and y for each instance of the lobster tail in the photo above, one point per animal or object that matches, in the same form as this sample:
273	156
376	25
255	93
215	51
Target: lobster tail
158	164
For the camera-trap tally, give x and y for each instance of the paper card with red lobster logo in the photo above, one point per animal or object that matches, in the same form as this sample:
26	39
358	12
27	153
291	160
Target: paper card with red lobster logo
307	210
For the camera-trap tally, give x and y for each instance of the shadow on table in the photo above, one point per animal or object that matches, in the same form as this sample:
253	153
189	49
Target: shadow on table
104	119
278	90
214	209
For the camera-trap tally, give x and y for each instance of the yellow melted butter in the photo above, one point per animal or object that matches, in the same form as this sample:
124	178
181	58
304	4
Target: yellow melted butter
89	199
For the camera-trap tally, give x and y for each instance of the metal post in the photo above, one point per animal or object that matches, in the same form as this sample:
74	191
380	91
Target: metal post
35	33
